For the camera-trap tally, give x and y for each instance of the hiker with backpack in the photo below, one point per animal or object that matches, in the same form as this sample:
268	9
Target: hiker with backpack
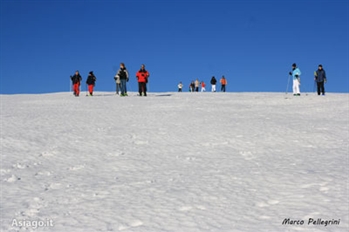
91	80
76	79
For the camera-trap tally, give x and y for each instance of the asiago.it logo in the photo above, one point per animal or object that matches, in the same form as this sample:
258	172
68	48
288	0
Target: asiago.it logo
34	224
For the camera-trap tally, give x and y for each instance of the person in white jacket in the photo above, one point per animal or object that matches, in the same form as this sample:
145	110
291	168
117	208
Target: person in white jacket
296	74
180	87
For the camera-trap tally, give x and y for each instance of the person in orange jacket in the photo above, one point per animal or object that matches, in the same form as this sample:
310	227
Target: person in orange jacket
142	77
223	83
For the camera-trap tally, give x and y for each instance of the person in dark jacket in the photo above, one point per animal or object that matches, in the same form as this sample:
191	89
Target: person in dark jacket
213	84
142	77
91	79
320	78
192	86
76	79
122	75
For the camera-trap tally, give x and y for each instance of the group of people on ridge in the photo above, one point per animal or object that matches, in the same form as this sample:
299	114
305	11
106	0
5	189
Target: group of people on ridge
142	75
90	82
194	85
319	77
121	78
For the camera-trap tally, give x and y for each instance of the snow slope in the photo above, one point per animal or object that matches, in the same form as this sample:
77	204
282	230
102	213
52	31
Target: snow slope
174	162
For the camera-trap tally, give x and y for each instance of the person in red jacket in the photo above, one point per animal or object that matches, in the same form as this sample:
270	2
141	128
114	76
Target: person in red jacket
203	86
142	77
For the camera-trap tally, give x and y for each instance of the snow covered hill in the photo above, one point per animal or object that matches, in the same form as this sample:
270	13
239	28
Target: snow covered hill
174	162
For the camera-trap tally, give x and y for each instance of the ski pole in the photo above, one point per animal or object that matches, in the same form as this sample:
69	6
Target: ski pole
288	82
129	86
314	86
315	75
70	85
304	87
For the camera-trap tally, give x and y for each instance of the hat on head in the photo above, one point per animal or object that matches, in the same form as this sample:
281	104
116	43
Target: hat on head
320	65
91	72
294	65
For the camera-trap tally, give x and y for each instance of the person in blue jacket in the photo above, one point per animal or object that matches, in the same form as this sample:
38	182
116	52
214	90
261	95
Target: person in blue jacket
296	74
320	78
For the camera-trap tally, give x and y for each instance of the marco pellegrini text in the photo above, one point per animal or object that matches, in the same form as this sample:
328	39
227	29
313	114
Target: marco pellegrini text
311	221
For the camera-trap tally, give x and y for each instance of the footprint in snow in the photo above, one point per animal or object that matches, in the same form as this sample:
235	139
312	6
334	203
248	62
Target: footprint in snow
76	167
190	158
247	155
53	186
139	142
264	217
273	202
115	154
43	173
262	204
324	189
185	208
267	204
46	154
5	171
32	207
12	179
20	166
127	226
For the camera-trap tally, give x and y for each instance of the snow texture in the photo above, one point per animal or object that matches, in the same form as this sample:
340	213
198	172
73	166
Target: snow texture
174	162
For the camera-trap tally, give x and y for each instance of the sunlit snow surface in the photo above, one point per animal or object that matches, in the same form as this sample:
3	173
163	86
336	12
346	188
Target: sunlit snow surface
174	162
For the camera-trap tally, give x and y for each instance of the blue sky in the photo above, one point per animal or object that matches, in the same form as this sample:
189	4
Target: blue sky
252	43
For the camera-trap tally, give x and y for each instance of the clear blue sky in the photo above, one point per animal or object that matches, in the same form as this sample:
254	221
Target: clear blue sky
252	43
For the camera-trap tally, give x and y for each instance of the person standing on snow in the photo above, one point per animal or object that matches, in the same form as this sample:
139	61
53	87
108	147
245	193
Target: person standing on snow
118	83
296	74
321	79
91	79
142	77
192	86
223	83
197	84
180	87
203	86
122	74
76	79
213	84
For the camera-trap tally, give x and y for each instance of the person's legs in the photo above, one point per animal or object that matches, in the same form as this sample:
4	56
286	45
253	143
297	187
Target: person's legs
123	87
90	89
323	88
